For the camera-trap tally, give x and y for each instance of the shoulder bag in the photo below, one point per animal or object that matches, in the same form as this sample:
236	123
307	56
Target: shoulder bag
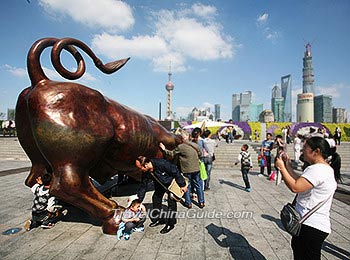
202	171
174	189
290	218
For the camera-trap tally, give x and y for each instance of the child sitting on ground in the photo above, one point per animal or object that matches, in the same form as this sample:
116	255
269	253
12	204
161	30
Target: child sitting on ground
246	164
45	211
132	219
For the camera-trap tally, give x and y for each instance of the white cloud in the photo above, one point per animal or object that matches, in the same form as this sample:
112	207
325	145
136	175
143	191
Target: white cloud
177	62
262	19
208	105
17	72
333	90
183	111
271	35
177	37
204	10
192	38
110	15
53	75
114	46
262	24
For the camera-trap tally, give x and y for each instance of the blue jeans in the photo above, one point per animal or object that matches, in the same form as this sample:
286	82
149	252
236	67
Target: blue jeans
245	177
195	180
208	161
229	138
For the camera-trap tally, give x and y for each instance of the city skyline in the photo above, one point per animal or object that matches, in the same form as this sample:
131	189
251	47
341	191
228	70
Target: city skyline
217	48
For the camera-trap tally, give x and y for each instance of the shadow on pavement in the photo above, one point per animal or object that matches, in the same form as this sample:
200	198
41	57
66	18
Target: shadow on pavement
231	184
238	246
336	251
77	215
273	219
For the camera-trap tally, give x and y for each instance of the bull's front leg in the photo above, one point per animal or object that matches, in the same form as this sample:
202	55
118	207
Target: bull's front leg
72	184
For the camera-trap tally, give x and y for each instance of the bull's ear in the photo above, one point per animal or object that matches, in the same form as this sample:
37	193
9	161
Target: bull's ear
114	65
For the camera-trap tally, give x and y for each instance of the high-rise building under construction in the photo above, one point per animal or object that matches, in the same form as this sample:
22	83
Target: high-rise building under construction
305	105
308	71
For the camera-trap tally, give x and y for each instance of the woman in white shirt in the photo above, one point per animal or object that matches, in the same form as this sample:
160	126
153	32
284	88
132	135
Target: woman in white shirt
316	184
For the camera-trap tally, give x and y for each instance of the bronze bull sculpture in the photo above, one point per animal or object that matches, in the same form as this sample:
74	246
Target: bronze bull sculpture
75	132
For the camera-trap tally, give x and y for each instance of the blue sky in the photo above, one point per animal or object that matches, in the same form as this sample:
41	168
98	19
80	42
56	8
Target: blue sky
216	48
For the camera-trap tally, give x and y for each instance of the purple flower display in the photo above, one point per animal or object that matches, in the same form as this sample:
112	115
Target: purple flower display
244	126
272	129
303	125
185	123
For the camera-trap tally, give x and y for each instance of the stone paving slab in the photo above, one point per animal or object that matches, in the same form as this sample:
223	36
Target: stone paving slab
248	227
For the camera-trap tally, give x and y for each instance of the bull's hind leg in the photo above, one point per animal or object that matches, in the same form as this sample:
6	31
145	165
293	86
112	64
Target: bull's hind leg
27	141
72	184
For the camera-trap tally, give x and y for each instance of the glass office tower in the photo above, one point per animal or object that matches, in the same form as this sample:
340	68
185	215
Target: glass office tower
286	88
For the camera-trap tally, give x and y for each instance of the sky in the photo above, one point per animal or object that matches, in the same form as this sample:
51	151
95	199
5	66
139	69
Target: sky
216	48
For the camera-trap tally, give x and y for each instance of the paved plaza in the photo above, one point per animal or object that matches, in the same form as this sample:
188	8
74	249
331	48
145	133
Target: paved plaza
234	224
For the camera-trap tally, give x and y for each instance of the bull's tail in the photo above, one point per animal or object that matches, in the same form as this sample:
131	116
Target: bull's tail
107	68
36	73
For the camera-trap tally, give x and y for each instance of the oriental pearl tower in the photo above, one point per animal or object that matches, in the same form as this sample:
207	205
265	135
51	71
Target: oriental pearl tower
169	88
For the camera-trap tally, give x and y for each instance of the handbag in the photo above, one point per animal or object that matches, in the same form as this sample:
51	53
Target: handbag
202	171
290	218
262	160
173	189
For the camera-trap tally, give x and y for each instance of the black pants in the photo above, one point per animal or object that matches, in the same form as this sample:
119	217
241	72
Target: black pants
268	165
307	246
45	218
167	216
245	172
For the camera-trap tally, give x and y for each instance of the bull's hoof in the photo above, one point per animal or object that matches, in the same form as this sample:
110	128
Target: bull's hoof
110	225
115	204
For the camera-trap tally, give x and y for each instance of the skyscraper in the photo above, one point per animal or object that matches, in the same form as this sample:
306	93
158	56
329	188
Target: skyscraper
323	109
217	111
235	107
305	107
308	71
276	92
241	106
339	115
169	88
255	111
277	104
286	87
305	103
277	107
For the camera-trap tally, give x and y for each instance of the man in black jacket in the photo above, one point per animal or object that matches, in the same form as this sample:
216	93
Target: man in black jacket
162	172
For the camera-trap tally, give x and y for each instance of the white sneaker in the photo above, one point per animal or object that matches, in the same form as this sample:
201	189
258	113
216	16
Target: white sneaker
139	229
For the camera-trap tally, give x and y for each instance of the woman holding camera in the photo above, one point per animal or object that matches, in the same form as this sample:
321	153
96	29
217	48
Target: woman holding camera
314	185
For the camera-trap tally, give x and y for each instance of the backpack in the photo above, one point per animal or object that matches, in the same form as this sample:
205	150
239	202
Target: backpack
245	161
